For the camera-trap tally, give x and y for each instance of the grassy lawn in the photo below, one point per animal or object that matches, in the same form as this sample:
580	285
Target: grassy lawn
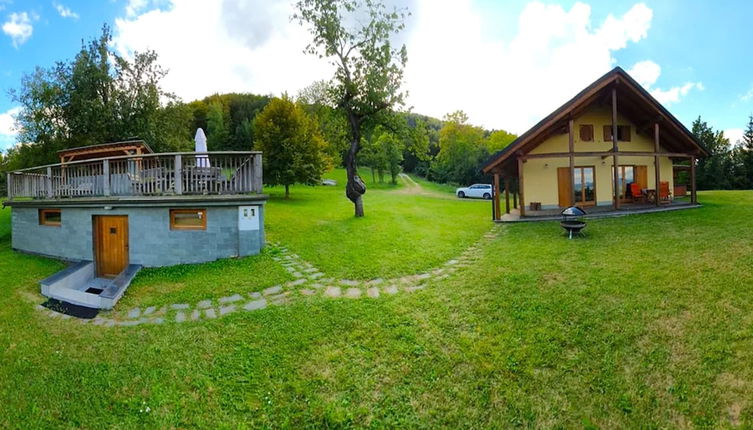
648	322
403	233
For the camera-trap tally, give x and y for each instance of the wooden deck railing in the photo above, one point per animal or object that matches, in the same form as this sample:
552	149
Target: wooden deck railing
142	175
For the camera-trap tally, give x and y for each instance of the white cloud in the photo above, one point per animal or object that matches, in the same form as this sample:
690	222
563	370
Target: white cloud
222	46
19	27
555	54
747	96
8	127
647	73
64	11
735	135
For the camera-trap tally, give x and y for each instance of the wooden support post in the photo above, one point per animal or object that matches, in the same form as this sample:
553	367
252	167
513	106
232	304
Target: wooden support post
571	151
615	161
178	175
657	164
507	195
9	185
48	183
520	188
257	185
106	178
693	196
497	215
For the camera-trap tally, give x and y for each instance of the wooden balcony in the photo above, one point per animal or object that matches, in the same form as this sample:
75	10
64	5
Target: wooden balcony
184	173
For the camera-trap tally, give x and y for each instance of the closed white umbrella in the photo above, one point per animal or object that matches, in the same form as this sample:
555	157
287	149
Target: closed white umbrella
201	146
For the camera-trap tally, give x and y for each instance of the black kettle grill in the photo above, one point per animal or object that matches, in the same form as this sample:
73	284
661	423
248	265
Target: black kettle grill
570	221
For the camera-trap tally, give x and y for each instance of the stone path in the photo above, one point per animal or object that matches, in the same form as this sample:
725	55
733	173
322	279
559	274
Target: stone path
308	281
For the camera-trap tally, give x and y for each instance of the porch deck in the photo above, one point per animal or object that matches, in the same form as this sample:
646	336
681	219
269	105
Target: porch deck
142	175
598	211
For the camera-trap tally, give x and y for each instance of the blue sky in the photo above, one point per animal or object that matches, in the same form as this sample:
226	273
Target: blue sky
506	64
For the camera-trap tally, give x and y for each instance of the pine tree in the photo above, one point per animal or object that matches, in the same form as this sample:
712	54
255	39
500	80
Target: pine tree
745	154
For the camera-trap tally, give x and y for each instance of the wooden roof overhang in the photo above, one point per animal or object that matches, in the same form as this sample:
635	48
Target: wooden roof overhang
111	149
634	102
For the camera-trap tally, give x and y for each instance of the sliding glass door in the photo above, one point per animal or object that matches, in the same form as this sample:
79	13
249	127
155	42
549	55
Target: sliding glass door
625	176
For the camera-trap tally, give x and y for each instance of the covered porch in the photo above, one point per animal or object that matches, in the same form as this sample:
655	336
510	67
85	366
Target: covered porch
597	211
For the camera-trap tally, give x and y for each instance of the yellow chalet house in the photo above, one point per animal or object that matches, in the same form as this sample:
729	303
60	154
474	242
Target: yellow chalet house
569	157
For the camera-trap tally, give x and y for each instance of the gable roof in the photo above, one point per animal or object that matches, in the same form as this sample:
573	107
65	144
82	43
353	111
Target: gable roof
95	151
625	84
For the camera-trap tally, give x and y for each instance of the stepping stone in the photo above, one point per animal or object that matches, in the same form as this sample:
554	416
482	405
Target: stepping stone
230	299
180	317
256	304
157	320
150	310
134	313
210	313
297	275
128	323
416	288
349	283
195	315
296	282
272	290
204	304
392	289
376	281
373	292
333	292
306	292
316	275
317	286
451	262
254	295
179	306
109	323
353	293
423	276
279	299
310	269
227	309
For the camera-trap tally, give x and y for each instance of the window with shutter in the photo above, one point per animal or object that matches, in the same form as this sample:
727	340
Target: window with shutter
586	132
623	133
607	133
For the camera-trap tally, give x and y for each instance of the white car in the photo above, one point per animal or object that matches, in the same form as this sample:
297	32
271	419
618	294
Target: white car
482	191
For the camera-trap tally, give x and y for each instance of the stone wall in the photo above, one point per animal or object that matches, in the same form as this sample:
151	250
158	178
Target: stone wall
151	241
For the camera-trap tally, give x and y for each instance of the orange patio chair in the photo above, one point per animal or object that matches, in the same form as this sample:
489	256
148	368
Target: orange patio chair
665	196
636	193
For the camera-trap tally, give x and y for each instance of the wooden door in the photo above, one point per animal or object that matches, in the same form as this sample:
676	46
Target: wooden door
641	176
110	244
564	186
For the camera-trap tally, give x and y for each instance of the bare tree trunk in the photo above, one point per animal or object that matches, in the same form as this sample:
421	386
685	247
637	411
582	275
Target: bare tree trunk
287	191
355	187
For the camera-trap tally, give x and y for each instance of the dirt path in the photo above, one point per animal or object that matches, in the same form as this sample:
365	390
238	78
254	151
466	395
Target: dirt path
414	188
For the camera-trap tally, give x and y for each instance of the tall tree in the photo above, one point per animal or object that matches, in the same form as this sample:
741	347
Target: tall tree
97	97
462	149
714	172
746	155
217	127
294	151
356	36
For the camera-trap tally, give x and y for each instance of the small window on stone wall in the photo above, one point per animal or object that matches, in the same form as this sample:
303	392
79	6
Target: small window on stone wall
50	217
188	219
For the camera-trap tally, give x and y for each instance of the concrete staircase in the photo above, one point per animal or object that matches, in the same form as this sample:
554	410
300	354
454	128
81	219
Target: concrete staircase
78	284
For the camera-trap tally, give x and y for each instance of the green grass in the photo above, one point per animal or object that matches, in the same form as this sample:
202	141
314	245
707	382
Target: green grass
403	232
647	322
